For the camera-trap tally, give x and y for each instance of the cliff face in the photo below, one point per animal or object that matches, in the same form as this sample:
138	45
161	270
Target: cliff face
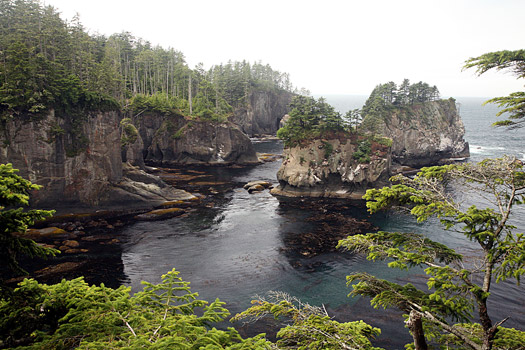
175	140
263	113
327	168
425	134
77	161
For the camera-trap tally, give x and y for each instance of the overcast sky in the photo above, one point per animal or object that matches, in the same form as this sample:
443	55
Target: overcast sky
329	46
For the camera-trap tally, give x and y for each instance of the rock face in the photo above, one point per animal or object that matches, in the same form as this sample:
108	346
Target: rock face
77	161
175	140
326	168
426	134
263	113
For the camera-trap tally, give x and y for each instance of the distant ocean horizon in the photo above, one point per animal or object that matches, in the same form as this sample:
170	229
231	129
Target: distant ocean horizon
485	140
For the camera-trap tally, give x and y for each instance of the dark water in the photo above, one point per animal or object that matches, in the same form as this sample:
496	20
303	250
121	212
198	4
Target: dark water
239	246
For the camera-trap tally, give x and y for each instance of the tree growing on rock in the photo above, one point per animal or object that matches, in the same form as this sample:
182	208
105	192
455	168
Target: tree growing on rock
310	118
457	289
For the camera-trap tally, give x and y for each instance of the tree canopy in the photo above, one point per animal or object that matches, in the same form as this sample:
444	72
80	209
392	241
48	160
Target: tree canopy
513	104
456	288
310	118
46	62
387	97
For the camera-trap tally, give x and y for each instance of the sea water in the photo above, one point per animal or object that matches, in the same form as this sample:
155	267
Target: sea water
239	246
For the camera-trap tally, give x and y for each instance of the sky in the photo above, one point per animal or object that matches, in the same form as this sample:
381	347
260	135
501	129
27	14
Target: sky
329	46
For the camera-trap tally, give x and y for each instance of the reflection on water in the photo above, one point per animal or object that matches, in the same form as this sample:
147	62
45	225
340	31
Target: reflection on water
240	245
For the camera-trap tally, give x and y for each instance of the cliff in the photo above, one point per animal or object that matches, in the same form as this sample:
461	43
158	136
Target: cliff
78	162
263	112
172	140
329	168
425	133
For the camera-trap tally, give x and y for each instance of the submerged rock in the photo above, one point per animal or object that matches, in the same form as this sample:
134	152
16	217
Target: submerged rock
160	214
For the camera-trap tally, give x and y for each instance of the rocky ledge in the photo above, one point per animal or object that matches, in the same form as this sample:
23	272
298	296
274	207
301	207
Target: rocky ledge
329	168
175	140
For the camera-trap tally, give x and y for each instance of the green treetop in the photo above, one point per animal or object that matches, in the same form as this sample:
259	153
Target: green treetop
14	220
513	104
309	119
456	288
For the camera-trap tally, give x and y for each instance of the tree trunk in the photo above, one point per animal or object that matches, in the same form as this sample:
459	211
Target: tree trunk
488	330
415	325
189	94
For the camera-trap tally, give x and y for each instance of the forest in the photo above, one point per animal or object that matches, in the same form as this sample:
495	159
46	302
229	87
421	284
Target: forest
46	62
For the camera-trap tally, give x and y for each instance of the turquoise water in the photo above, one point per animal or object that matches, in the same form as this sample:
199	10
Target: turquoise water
241	246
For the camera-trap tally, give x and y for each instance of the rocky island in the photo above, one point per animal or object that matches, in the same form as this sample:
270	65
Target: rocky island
322	158
327	155
425	130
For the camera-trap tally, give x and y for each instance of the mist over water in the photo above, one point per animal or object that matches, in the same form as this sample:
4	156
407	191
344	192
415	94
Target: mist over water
239	245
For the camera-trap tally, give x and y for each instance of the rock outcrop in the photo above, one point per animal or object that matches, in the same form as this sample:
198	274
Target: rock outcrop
426	133
78	162
263	113
327	168
174	140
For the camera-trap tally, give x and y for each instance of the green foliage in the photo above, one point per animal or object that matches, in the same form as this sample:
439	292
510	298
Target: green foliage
453	290
362	154
73	314
506	338
328	149
129	132
46	62
309	119
309	327
385	141
157	103
14	221
385	98
513	104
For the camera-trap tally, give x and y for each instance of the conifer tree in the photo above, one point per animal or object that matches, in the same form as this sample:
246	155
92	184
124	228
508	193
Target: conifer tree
456	289
513	104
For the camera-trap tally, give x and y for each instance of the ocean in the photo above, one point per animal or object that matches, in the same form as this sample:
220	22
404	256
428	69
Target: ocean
242	245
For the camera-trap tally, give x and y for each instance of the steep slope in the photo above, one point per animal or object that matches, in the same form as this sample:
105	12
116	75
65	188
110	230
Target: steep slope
425	133
328	168
263	112
78	161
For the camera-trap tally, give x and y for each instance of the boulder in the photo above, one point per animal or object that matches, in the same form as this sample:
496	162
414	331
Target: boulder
160	214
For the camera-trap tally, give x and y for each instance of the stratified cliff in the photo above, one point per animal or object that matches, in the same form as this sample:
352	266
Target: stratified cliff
263	112
329	168
425	133
173	140
78	161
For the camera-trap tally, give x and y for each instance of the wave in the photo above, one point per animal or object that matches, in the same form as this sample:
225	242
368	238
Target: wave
485	149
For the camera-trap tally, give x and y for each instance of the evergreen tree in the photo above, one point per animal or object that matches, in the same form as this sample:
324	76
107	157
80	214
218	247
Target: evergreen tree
456	288
14	221
513	104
